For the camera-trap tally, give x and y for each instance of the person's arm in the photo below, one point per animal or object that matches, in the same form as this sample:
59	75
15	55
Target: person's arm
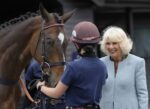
65	81
141	85
56	92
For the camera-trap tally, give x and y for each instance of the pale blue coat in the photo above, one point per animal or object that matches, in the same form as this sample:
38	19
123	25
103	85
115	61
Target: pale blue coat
128	90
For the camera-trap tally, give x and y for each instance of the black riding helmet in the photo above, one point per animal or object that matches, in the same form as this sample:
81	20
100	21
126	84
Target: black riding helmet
85	33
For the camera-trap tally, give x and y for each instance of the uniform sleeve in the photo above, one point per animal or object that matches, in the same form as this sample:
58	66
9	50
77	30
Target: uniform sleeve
67	77
37	73
141	85
29	73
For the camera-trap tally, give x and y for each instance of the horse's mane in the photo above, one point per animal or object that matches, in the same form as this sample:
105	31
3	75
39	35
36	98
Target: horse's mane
19	19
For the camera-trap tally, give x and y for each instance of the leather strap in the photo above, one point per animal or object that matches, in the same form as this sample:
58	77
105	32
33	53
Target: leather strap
23	86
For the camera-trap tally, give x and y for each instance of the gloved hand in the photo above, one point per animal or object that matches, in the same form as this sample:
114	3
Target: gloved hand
45	77
40	84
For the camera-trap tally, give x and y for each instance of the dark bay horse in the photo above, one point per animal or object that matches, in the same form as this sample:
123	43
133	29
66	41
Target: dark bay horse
24	40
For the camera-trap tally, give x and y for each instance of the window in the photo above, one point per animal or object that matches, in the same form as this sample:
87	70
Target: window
141	34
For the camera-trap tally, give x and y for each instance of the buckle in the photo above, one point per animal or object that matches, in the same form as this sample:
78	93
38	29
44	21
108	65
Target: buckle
92	106
55	101
69	107
88	106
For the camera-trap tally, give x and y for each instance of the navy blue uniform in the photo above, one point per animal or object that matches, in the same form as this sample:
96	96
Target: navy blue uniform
75	55
33	71
85	78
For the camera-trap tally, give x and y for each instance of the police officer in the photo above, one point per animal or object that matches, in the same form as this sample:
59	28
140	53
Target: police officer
83	78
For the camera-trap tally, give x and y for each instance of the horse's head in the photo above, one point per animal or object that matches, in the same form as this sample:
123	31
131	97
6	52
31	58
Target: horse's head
51	43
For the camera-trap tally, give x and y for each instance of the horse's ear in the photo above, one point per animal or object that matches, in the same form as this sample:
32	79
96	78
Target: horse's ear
44	13
67	15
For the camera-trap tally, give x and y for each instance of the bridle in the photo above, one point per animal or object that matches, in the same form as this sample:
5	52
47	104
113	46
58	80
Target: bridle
45	64
44	54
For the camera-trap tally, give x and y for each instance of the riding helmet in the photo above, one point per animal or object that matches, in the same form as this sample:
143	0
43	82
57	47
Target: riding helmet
85	32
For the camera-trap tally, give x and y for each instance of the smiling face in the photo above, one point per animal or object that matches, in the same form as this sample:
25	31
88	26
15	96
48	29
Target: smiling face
114	50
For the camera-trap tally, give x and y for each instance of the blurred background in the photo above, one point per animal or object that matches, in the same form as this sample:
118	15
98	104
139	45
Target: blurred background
131	15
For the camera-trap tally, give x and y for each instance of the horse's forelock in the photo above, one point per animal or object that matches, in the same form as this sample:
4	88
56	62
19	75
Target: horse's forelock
57	17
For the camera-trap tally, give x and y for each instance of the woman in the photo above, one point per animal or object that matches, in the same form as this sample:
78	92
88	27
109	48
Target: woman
83	78
126	86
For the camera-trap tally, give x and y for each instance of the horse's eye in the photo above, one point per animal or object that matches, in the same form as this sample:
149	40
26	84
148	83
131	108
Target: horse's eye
50	41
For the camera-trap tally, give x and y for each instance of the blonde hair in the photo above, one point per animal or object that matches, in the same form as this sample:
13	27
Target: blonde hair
116	34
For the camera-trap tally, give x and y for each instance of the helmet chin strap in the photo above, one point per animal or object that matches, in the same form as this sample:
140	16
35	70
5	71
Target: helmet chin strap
79	49
82	51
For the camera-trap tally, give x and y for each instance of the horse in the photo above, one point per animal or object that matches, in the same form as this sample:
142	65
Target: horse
41	37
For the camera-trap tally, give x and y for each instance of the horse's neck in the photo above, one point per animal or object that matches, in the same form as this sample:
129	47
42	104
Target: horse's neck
26	55
14	44
3	33
20	34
